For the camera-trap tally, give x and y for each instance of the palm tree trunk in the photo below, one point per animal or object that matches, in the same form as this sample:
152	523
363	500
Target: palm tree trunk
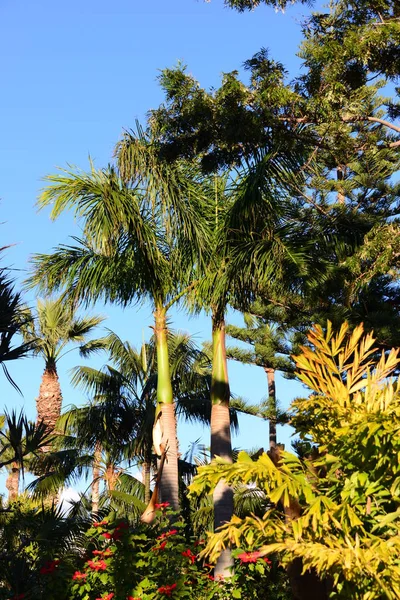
96	479
169	485
12	483
49	401
111	476
272	398
221	434
147	480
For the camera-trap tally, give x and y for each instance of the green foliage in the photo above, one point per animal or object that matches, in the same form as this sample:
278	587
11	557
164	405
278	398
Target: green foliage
20	438
13	318
64	559
243	5
158	562
332	126
338	508
37	542
55	325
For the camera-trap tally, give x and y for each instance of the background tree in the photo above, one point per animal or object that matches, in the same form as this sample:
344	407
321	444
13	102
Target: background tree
20	440
267	331
333	114
114	430
53	327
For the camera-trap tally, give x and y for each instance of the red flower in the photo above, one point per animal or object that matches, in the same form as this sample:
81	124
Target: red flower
112	536
211	577
167	589
97	565
167	534
161	505
188	553
107	597
122	525
160	547
100	524
267	560
132	598
78	575
249	557
104	553
18	597
49	567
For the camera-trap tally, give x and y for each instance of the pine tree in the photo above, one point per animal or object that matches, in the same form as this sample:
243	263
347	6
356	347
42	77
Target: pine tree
345	197
268	333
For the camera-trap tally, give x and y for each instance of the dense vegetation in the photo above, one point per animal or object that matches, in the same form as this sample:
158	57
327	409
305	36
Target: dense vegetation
275	198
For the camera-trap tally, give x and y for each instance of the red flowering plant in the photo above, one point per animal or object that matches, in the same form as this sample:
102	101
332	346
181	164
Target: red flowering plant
258	576
142	562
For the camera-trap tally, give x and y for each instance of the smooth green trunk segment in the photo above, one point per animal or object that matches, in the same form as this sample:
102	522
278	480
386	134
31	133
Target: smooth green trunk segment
221	436
164	387
220	393
169	483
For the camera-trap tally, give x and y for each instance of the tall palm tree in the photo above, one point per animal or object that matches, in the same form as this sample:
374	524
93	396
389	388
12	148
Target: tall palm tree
54	326
253	247
132	382
139	242
117	423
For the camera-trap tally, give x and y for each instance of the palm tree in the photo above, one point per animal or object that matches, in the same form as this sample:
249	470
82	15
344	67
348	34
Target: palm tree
20	441
54	327
131	382
254	246
139	243
115	428
13	317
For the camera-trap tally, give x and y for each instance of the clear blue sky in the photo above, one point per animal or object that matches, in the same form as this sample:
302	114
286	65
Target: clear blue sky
74	75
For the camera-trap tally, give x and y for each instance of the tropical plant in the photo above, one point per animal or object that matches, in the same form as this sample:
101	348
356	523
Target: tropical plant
20	441
341	504
38	541
52	328
240	261
114	430
158	562
132	250
13	318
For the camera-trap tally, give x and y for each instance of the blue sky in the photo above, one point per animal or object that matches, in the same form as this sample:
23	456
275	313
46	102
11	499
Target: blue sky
74	75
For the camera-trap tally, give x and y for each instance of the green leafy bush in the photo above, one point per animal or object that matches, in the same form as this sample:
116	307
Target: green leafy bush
334	511
113	559
159	562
